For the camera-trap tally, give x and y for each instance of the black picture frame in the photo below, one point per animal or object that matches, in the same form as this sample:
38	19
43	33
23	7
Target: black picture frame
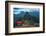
6	18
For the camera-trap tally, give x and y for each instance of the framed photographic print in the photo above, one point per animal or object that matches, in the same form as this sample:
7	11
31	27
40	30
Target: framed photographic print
24	17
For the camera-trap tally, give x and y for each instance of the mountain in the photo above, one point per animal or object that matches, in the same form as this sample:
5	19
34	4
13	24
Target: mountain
34	15
26	15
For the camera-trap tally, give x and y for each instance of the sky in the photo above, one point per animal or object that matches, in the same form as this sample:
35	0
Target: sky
18	10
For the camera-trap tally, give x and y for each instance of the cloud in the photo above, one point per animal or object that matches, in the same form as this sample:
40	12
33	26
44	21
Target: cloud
18	10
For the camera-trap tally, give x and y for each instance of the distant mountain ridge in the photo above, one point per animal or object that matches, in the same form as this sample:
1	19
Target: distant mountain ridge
36	13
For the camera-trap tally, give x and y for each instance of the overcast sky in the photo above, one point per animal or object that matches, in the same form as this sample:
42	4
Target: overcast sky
18	10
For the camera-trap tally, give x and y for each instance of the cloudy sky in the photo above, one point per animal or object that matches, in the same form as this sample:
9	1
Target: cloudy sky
18	10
